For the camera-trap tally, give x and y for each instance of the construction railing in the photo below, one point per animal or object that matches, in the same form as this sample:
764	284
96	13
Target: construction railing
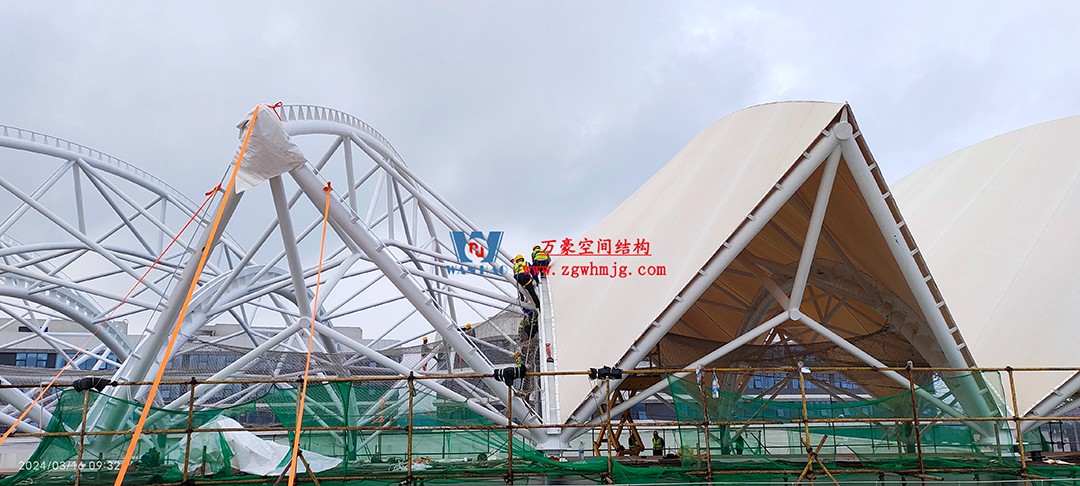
355	424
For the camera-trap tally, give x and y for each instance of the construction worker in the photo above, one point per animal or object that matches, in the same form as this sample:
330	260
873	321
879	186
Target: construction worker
657	444
540	262
423	350
471	333
529	326
521	274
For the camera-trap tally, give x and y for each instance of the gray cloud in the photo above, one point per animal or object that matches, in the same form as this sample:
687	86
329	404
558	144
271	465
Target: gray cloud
533	118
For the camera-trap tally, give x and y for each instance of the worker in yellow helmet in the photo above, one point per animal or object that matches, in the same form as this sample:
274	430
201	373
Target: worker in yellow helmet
540	262
521	274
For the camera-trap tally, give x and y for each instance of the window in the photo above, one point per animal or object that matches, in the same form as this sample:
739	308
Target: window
92	364
32	360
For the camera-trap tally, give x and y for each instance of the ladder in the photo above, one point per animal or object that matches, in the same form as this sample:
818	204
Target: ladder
549	398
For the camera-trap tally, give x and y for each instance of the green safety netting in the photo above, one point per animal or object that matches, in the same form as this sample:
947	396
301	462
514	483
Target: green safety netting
444	455
440	455
860	435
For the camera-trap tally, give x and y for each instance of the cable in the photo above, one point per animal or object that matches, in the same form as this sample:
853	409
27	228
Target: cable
311	336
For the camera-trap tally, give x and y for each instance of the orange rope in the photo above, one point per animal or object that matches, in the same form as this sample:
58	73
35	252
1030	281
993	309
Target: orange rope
311	336
183	309
71	359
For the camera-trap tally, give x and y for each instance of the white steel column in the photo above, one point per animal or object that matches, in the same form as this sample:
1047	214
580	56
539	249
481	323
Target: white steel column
968	392
813	232
79	210
1051	402
292	254
19	400
21	425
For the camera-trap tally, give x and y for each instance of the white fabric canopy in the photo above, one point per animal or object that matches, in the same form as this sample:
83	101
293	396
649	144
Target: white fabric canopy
999	224
685	212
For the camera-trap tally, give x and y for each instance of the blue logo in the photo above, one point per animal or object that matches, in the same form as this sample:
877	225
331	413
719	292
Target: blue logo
476	248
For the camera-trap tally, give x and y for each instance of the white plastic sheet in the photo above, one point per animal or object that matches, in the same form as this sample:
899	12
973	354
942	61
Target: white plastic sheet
269	151
251	453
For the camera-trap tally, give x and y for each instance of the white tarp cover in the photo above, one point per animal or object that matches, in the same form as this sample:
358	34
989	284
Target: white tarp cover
269	152
999	224
251	454
685	212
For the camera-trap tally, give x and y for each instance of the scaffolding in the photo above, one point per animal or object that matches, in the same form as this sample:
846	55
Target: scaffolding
383	429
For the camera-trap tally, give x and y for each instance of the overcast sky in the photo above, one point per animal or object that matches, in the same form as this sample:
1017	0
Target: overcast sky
584	99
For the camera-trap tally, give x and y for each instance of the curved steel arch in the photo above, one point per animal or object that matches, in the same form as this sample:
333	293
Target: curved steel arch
386	269
78	267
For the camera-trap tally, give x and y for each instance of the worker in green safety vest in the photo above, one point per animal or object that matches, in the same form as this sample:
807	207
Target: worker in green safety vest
540	262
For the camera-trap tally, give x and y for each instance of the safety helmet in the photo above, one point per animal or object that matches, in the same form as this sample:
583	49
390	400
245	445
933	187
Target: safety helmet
517	353
537	247
468	326
519	258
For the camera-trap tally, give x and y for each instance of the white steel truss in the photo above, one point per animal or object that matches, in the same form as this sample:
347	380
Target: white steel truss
94	224
388	270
